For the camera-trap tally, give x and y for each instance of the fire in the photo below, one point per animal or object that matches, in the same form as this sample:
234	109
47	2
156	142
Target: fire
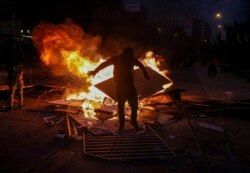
67	48
77	64
155	64
88	108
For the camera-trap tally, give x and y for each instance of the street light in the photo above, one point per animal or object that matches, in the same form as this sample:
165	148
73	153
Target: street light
222	29
218	15
219	26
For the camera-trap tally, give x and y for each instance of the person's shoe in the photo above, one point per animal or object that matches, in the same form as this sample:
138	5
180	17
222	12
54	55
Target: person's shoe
120	130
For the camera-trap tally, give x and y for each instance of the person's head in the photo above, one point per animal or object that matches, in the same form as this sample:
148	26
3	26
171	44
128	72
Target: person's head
128	51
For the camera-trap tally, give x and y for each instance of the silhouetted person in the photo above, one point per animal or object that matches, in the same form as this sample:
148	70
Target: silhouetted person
124	80
12	52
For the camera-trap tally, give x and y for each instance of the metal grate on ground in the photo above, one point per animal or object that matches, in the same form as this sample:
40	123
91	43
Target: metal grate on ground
127	146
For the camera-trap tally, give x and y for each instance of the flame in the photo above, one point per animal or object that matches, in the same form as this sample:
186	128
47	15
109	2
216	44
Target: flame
88	109
152	62
77	64
66	47
63	46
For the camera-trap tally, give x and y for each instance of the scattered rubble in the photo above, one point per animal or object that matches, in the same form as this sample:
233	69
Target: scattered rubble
211	126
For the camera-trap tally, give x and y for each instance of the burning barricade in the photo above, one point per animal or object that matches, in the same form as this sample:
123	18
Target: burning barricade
67	49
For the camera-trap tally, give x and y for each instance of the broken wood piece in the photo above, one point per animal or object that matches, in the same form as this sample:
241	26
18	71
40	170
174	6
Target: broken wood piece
74	127
163	118
108	109
72	111
47	119
59	120
170	122
68	126
53	120
80	120
210	126
103	116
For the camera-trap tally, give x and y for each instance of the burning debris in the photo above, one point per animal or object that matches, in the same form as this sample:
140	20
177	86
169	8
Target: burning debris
68	50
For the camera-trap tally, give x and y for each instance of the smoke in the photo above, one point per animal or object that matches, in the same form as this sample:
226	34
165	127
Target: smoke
52	41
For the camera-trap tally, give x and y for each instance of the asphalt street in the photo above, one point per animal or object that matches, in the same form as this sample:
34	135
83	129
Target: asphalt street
210	131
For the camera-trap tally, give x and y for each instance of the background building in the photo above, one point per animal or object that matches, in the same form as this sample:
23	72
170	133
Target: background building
197	29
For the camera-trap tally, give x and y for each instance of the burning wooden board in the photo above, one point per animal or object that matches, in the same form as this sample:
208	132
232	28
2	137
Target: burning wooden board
144	87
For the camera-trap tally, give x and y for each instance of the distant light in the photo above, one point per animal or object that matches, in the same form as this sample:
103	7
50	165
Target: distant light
159	30
218	15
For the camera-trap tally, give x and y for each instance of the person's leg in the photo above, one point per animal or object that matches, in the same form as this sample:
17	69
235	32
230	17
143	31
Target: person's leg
121	113
20	93
133	102
12	88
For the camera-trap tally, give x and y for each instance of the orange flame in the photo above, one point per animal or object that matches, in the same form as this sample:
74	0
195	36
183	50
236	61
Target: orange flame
64	45
155	64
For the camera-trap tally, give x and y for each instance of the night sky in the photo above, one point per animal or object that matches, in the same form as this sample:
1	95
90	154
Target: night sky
158	9
231	9
82	11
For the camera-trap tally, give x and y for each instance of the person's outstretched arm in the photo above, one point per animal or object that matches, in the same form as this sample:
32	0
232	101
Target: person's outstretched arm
141	66
102	66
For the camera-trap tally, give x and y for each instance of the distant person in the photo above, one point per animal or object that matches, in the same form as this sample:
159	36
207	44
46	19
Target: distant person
13	54
212	67
16	83
124	80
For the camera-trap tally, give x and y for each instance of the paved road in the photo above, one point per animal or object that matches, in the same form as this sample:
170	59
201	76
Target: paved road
28	145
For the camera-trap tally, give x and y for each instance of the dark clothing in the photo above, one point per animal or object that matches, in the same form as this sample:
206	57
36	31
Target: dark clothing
125	87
